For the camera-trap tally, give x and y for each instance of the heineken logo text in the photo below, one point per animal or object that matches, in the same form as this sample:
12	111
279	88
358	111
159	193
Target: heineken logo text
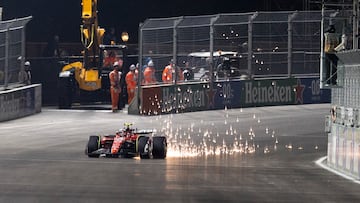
183	99
267	94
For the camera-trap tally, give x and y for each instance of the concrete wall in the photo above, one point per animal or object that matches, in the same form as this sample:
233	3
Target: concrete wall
344	149
20	102
344	123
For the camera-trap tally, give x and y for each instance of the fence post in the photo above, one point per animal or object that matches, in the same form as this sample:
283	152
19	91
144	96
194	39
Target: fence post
211	51
140	74
355	24
6	68
322	54
176	23
290	45
23	40
250	33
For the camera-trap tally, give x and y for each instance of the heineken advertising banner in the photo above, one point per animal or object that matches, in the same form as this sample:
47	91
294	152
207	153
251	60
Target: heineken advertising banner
151	99
231	94
176	98
186	97
227	94
268	92
312	94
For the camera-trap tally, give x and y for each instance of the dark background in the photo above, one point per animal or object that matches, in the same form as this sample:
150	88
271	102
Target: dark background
63	17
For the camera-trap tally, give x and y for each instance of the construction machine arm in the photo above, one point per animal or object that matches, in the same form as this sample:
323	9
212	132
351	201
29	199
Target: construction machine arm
91	33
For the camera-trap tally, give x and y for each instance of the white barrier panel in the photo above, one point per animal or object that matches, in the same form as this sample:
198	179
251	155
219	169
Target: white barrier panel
332	149
351	133
357	152
340	147
344	149
20	102
356	159
329	151
358	162
341	154
337	148
348	155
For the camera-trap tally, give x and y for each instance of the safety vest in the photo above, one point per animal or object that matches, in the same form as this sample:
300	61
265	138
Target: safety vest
331	41
131	79
115	77
167	74
149	76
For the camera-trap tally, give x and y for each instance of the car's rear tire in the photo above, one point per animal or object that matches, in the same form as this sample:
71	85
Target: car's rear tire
144	147
92	146
159	148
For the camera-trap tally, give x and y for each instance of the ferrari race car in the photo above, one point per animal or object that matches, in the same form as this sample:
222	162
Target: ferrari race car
127	143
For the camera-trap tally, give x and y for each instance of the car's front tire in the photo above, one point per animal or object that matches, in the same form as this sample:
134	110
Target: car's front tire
144	147
159	148
92	146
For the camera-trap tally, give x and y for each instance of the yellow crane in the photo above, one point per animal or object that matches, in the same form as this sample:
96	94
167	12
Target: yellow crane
79	79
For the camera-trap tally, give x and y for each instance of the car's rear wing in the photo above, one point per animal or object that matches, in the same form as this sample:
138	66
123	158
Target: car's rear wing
142	132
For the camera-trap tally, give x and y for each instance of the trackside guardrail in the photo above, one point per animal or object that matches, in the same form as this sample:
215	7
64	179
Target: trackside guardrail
20	102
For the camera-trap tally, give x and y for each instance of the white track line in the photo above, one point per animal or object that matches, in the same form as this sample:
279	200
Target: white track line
324	166
82	111
75	110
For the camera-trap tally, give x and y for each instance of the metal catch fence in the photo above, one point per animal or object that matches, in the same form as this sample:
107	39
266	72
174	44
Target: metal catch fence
12	51
258	44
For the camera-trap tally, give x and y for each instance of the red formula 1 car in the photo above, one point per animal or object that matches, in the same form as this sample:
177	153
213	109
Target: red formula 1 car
128	143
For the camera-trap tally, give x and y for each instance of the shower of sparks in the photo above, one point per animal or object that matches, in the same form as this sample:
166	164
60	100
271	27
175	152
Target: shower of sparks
202	138
205	139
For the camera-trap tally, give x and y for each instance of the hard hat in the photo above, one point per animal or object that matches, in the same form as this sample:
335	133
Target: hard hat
116	63
27	63
151	64
132	67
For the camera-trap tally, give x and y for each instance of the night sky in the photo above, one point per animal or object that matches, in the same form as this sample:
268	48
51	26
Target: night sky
62	17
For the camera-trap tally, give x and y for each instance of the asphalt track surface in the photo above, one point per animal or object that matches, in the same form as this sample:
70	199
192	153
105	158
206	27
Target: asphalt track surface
262	154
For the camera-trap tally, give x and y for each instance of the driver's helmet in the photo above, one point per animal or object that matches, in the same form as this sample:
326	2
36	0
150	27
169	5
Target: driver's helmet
127	127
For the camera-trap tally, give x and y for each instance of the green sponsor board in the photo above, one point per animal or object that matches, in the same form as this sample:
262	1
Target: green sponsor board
185	98
268	92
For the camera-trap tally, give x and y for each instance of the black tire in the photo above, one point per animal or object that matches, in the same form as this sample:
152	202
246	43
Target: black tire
92	146
144	147
159	148
65	93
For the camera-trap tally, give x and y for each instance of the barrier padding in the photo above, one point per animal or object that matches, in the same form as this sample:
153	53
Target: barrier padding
20	102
